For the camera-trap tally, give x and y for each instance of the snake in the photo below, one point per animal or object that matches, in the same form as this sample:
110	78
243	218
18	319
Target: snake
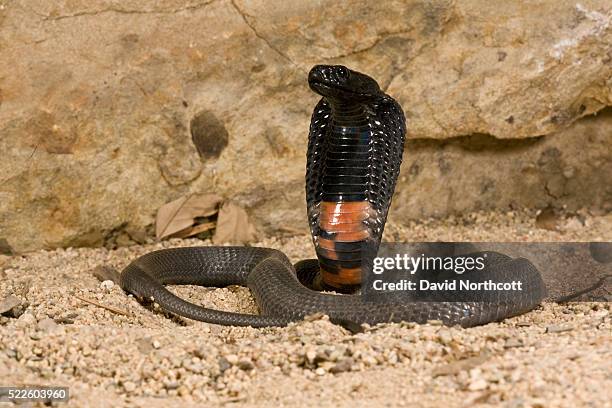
355	148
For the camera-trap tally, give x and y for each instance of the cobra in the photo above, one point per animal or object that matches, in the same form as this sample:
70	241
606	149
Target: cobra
355	148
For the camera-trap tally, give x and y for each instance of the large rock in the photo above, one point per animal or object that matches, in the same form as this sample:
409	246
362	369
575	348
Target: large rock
109	109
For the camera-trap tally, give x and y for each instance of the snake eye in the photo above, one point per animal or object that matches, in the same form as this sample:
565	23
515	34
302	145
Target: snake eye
343	72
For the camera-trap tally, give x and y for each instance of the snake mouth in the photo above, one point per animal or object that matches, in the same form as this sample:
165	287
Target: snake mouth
320	87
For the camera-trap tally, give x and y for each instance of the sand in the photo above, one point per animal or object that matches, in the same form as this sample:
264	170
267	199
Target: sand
124	354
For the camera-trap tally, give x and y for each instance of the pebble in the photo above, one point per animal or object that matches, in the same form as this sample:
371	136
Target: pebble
224	364
477	384
245	365
48	325
232	359
511	343
107	285
129	386
27	319
558	328
445	336
342	366
9	304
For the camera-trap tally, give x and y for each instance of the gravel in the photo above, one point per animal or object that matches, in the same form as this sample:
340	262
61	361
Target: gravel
110	350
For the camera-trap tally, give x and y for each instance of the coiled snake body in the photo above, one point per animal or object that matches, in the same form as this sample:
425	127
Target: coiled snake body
354	154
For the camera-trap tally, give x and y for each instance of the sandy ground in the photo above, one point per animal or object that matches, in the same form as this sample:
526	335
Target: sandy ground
557	355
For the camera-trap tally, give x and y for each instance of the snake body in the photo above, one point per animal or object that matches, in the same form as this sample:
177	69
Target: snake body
355	148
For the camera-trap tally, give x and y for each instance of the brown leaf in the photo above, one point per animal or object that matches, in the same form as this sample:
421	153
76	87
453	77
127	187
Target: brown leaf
195	230
233	225
547	220
180	214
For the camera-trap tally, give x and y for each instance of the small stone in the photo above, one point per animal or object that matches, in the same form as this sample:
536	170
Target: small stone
129	386
144	345
477	384
320	371
342	366
246	365
435	322
171	384
107	285
156	344
311	355
48	325
510	343
232	359
224	365
558	328
27	319
8	304
445	336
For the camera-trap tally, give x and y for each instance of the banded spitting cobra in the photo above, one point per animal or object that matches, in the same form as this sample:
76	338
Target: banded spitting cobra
355	148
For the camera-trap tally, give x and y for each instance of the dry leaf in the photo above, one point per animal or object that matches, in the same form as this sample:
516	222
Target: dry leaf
195	230
180	214
547	219
233	225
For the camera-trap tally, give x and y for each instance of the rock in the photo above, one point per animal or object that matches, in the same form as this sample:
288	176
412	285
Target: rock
477	384
129	386
458	366
511	343
107	285
558	328
492	174
232	359
26	319
219	103
171	384
342	366
9	305
48	325
224	364
144	345
245	365
445	336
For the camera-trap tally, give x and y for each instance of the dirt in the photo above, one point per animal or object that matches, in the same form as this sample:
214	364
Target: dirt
72	330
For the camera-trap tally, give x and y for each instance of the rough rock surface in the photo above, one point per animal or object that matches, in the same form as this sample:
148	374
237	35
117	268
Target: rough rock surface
110	108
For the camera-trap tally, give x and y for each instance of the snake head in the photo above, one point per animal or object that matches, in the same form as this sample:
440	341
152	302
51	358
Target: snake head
337	82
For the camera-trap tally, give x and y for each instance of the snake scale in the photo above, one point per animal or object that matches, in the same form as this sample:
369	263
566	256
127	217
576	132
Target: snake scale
355	148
